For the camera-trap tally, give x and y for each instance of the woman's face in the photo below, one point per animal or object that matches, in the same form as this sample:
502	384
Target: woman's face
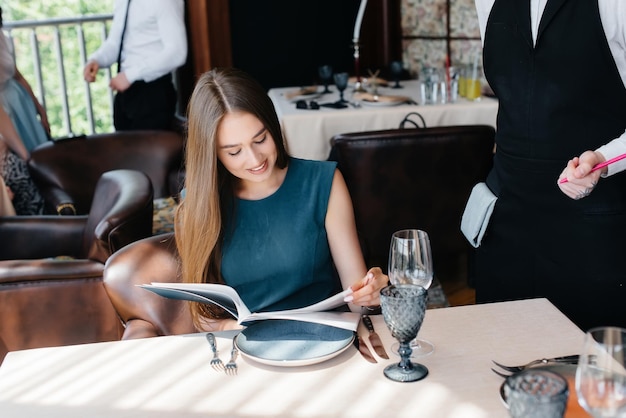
246	148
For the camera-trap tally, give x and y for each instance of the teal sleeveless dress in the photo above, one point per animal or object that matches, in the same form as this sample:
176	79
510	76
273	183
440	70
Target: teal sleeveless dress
275	250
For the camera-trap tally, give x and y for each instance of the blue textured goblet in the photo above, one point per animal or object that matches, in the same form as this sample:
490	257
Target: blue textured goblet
326	75
396	68
403	309
341	82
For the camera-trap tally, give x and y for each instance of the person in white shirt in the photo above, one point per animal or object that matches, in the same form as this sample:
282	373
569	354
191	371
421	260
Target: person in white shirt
558	68
148	41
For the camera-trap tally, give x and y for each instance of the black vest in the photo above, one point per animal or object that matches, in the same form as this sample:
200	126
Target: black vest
557	99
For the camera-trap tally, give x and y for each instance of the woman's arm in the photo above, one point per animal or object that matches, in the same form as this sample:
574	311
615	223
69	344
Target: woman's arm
43	116
10	137
345	248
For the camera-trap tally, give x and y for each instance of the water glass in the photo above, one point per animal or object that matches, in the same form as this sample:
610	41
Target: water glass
462	80
429	78
536	393
601	373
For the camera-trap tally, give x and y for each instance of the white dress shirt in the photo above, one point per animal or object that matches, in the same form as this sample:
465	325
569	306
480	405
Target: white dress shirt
155	40
613	17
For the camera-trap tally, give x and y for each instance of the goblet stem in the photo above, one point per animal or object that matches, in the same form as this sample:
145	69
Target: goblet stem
405	351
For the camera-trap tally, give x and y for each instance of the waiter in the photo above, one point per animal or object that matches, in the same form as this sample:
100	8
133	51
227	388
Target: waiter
147	41
558	68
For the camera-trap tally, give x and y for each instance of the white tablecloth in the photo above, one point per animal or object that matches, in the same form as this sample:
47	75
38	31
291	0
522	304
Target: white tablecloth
308	132
171	376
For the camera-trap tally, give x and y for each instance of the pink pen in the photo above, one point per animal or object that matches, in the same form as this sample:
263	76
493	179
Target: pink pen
599	166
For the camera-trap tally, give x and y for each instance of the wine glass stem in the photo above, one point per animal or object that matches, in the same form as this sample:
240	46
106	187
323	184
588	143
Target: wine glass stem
405	351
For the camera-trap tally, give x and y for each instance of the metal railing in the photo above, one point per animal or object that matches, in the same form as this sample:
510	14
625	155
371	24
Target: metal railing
45	46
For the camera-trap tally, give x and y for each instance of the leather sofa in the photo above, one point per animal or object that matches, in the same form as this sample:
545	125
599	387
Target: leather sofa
51	267
67	171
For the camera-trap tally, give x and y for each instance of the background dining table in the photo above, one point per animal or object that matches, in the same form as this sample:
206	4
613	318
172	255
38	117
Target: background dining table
171	376
308	132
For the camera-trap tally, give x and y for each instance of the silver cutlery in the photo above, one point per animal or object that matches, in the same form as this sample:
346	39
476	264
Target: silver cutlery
377	344
359	343
216	363
572	359
231	366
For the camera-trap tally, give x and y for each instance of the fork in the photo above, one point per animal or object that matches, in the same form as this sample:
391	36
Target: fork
573	359
231	366
216	363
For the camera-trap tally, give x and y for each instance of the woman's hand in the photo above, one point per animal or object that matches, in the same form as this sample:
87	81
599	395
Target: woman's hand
580	179
366	292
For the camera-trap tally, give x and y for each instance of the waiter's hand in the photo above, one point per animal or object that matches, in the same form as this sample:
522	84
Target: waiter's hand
90	71
119	83
580	179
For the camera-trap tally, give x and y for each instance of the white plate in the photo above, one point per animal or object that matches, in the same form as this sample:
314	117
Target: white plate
292	343
381	104
309	96
305	93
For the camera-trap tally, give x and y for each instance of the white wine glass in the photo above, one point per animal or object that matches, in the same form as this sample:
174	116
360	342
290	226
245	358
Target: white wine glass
411	262
601	373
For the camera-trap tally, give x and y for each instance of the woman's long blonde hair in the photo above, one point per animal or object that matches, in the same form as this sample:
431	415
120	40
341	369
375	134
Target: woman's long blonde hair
209	186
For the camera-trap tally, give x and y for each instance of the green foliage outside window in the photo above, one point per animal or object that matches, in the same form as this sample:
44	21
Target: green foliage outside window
72	66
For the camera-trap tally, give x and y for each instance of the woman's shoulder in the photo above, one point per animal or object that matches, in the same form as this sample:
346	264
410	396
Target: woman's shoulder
311	172
312	165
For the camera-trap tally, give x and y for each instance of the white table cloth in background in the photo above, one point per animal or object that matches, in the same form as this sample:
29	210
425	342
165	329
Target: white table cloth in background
171	376
308	132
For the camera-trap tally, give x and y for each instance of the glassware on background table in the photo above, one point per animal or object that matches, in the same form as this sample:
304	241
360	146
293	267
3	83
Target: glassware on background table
325	73
536	393
429	78
462	79
341	82
411	262
450	91
395	69
601	372
472	83
404	307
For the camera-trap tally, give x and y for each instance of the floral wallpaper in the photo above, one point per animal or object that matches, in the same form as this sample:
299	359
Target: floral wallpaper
426	37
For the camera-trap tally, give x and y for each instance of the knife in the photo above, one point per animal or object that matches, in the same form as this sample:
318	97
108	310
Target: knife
363	349
377	344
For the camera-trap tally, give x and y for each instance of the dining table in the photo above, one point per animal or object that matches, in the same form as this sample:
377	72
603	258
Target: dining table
171	376
308	131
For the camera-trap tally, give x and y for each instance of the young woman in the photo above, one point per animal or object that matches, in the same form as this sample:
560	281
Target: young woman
277	229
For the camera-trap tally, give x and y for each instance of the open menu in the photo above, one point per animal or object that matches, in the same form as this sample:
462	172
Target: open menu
227	298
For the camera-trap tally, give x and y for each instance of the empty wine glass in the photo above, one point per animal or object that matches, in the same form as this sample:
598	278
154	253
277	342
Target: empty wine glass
411	262
325	73
396	68
341	82
403	308
601	372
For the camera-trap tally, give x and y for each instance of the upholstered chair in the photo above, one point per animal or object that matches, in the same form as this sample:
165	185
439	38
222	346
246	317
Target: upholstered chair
67	171
414	178
143	313
51	290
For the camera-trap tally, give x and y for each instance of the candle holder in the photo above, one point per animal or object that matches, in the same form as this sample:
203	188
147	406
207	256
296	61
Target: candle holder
358	84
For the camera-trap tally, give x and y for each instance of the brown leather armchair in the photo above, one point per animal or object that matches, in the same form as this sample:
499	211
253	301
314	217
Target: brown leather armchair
67	171
414	178
51	290
143	313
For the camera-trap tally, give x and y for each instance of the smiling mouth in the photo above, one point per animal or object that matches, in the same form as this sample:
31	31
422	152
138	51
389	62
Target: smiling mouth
260	168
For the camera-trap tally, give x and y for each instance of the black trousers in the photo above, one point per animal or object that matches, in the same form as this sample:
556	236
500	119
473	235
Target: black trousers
146	105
